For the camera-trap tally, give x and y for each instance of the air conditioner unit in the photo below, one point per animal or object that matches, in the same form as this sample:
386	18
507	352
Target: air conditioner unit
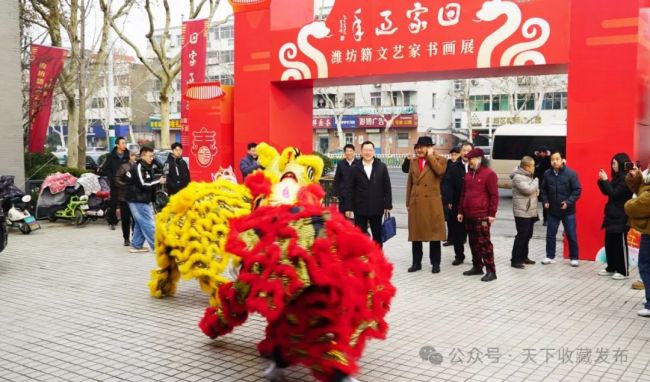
474	82
377	86
433	115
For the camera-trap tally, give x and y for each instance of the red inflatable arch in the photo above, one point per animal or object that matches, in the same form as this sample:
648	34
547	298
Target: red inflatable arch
282	53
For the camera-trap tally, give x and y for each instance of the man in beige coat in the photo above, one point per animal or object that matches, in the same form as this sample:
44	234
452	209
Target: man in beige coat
424	203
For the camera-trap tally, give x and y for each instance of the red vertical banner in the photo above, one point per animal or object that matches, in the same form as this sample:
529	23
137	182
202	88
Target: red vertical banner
45	67
210	129
193	63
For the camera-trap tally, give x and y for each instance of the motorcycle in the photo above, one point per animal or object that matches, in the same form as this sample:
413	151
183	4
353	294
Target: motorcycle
17	214
3	230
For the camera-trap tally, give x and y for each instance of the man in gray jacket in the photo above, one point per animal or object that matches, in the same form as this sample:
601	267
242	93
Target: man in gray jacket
525	189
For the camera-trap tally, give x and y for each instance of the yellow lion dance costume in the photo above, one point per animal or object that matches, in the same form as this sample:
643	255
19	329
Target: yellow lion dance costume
191	230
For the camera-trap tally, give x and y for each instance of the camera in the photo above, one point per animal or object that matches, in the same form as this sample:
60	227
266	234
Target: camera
627	166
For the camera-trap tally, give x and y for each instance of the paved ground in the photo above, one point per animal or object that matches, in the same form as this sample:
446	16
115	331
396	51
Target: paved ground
74	306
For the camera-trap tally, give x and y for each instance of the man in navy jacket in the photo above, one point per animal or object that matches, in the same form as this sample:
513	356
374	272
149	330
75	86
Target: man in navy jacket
560	192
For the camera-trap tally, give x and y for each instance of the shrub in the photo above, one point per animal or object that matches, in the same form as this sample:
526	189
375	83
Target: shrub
39	165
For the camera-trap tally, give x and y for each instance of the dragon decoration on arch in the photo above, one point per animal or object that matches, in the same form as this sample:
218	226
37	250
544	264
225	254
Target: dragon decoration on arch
270	247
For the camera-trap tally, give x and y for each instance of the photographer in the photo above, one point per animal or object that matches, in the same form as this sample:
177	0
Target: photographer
615	220
638	209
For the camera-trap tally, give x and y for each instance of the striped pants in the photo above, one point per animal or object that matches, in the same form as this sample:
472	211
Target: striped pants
478	232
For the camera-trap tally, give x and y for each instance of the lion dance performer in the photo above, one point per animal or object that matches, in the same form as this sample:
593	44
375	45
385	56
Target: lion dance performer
323	286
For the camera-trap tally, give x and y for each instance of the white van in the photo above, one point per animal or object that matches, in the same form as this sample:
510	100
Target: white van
510	143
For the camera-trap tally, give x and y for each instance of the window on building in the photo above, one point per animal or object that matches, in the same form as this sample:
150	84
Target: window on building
122	102
63	105
459	104
348	100
458	85
213	54
458	123
526	101
226	31
225	56
402	140
554	101
375	99
214	32
97	103
178	106
482	102
349	138
121	80
157	85
441	140
226	79
323	100
396	98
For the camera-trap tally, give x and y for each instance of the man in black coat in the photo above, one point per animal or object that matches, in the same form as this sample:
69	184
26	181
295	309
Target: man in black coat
451	191
367	192
176	170
114	161
542	164
343	169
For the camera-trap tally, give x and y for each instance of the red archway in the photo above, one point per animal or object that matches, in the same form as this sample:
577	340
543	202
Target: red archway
281	53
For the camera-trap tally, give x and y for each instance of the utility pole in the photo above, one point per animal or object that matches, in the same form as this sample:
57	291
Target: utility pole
110	94
81	72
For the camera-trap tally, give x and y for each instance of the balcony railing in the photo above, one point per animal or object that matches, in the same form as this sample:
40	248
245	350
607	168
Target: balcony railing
364	110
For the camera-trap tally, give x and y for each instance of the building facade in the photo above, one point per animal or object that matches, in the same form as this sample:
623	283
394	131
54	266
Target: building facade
11	129
130	110
392	116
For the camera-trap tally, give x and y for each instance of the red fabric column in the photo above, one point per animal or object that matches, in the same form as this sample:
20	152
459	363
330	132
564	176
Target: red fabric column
603	102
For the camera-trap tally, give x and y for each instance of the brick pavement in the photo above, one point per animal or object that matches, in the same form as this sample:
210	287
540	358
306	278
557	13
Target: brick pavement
74	306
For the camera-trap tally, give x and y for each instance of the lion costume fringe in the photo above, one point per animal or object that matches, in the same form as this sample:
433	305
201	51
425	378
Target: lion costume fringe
271	248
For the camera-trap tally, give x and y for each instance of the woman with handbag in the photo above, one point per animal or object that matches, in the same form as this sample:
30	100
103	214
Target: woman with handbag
426	216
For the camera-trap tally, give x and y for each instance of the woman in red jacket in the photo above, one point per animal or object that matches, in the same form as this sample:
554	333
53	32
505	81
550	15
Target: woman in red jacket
477	209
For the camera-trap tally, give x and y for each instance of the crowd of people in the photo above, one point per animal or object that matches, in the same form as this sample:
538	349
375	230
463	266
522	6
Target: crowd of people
459	192
463	191
134	177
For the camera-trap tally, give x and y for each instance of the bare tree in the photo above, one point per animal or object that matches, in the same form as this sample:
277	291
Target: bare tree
334	100
79	77
163	67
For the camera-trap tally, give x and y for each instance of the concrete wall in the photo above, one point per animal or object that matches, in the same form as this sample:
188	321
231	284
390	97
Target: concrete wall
11	134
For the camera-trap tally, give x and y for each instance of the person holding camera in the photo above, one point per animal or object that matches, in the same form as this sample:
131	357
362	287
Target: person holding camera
638	210
615	220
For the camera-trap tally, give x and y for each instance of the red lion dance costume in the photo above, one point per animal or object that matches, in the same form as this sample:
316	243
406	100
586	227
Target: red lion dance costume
323	286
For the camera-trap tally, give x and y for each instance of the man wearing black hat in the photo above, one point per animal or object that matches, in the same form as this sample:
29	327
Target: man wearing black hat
477	210
426	218
542	164
451	190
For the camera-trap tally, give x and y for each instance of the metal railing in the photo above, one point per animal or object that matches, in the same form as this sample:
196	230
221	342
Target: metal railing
391	160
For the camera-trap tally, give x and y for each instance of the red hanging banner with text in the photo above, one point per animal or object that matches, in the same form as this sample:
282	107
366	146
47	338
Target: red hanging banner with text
45	67
193	62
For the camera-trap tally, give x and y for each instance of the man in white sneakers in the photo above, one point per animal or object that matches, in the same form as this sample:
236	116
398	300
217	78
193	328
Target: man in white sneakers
560	192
